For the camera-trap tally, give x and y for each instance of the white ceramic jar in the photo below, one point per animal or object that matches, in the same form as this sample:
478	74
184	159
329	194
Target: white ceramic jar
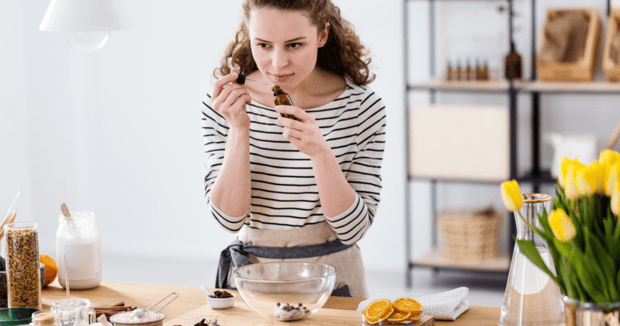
78	240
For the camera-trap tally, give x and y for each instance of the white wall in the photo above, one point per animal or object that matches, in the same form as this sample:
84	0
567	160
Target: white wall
118	131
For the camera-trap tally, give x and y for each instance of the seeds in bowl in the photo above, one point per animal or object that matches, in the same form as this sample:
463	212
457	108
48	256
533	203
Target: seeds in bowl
290	312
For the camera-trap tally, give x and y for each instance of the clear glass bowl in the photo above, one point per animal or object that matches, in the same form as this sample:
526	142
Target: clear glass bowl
275	290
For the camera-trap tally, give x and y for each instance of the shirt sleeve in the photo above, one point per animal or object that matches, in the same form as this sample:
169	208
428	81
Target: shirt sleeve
364	174
215	131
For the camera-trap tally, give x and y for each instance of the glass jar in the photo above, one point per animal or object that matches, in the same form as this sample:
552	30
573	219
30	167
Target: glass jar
43	318
78	239
22	265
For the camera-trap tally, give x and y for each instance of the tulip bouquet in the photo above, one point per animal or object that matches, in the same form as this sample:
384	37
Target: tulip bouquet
581	231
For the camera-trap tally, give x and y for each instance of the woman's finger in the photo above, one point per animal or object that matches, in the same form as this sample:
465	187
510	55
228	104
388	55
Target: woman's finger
219	84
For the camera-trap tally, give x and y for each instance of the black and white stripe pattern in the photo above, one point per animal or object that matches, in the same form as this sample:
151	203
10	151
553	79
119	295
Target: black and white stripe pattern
284	191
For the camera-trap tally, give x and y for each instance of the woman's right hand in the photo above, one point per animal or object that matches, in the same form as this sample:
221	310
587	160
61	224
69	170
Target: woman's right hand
229	99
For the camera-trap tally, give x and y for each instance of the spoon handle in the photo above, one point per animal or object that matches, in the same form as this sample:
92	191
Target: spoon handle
162	299
205	290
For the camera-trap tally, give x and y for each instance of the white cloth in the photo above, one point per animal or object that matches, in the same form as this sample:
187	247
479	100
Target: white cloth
447	305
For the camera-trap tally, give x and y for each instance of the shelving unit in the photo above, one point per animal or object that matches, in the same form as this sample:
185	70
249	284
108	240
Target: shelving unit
535	88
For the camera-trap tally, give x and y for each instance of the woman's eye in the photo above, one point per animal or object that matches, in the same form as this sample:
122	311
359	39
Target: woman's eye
294	45
263	45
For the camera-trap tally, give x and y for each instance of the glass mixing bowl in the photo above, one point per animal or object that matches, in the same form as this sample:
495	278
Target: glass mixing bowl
285	290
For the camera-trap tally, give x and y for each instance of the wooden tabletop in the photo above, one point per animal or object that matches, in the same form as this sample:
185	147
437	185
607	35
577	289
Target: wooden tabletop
191	298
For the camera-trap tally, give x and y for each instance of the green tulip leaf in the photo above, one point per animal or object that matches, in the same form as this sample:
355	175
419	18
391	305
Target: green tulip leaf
602	264
528	248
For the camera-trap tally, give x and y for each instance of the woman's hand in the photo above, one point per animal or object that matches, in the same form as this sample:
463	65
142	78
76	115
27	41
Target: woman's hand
229	99
303	133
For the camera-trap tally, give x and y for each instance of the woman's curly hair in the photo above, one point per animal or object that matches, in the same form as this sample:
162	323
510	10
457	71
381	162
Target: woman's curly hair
343	53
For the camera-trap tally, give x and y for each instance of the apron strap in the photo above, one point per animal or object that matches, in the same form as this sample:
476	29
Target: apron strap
237	254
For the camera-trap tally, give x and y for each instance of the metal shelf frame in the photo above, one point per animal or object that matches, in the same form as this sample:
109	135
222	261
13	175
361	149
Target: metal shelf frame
537	177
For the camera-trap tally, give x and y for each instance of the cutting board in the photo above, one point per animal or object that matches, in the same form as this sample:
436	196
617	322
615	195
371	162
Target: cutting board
242	315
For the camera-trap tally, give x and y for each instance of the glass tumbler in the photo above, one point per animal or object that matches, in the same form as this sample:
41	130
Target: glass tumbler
73	312
22	264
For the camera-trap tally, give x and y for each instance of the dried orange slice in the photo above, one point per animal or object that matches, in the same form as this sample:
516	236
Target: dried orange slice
415	319
377	309
408	305
397	317
388	312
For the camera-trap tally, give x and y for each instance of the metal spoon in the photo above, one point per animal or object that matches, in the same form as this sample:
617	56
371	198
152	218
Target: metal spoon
206	291
139	313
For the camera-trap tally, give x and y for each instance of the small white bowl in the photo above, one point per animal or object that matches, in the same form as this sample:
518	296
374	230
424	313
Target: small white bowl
220	303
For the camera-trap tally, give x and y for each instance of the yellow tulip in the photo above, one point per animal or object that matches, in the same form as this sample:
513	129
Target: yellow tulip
612	178
570	183
511	194
608	156
563	170
590	179
561	225
615	200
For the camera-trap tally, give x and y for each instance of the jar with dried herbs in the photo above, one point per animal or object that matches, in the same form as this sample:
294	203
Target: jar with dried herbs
22	264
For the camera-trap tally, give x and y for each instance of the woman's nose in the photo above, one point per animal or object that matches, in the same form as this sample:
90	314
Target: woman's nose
279	59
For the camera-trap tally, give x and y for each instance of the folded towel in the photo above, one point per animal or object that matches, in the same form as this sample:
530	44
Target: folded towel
443	306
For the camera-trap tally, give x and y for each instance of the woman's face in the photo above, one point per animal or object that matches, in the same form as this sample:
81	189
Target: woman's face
284	45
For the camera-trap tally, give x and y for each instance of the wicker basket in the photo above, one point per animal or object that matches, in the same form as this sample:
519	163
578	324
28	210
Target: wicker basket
469	233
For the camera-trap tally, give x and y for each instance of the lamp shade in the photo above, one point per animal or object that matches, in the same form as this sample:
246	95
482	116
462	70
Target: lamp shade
85	16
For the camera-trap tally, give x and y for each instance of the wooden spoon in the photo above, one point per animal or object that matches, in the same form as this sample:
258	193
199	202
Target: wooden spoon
9	219
65	212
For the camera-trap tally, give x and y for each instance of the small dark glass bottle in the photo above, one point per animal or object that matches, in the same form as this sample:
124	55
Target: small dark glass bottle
479	72
281	98
458	75
449	71
513	62
468	72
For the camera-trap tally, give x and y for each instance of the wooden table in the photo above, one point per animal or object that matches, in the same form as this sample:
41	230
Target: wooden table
191	298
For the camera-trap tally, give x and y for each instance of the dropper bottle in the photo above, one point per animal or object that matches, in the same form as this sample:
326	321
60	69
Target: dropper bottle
242	80
282	98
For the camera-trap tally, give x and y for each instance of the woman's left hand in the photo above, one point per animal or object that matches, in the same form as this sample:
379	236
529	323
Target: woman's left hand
303	133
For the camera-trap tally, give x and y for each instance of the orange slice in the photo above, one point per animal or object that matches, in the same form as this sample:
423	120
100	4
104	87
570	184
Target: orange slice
377	309
388	312
415	319
398	316
408	305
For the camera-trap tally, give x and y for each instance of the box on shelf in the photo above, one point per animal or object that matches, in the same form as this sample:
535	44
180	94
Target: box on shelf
611	56
569	45
460	143
469	234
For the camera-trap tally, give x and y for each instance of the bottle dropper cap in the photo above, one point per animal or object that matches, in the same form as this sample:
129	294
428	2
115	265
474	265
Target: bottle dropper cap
241	80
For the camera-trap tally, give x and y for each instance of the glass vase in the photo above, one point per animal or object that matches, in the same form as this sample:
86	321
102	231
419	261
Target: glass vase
580	313
531	297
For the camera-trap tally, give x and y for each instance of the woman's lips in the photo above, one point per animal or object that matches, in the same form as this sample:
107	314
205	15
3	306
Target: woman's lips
282	77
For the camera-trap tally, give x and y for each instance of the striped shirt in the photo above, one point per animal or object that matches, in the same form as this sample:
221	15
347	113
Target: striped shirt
284	190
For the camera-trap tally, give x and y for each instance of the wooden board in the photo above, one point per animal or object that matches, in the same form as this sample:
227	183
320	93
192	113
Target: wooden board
241	315
435	259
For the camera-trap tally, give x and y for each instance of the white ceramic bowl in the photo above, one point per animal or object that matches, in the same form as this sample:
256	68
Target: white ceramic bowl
268	287
220	303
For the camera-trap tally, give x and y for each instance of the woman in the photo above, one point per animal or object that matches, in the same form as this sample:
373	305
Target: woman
304	189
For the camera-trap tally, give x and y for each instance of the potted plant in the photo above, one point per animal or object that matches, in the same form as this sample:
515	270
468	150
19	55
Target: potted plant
582	233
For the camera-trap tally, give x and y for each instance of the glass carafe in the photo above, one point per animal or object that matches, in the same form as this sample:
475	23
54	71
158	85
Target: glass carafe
531	297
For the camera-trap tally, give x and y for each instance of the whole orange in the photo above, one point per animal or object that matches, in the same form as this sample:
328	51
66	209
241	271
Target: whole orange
50	269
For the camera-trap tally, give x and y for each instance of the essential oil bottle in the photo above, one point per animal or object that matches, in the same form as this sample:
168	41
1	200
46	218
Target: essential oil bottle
281	98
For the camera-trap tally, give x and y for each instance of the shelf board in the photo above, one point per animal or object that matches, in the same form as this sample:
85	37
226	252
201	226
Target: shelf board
463	86
572	87
435	259
595	87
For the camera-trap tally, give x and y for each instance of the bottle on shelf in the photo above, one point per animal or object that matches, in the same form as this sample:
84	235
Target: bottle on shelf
449	71
485	70
512	62
468	73
479	71
458	75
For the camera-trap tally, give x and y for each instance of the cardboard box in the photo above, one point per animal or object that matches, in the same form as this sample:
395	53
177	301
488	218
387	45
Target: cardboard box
611	55
460	143
583	68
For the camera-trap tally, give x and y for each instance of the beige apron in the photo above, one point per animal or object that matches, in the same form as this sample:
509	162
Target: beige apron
348	263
